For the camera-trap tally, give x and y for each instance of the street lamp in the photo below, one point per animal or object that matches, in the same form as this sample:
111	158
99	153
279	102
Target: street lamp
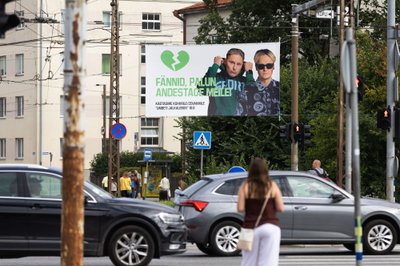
103	130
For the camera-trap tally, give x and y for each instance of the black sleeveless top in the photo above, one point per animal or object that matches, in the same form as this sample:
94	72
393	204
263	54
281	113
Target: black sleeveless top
253	208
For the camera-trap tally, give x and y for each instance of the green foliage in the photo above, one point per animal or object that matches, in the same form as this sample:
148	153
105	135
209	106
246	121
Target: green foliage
129	162
258	21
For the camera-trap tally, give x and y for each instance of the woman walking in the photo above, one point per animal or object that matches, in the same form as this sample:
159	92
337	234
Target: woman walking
267	235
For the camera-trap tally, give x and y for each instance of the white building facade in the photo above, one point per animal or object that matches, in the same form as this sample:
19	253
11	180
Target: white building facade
31	86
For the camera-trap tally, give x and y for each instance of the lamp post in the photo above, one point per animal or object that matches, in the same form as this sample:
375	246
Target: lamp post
103	131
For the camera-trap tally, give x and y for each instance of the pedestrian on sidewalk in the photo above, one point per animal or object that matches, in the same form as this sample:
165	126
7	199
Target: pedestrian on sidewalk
254	192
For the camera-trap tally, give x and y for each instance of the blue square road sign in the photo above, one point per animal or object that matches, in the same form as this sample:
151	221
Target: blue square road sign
202	140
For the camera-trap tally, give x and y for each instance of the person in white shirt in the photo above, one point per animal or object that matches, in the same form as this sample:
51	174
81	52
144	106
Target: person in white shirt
317	170
104	183
164	189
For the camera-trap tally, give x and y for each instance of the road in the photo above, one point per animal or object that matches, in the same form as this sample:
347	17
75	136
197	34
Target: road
298	255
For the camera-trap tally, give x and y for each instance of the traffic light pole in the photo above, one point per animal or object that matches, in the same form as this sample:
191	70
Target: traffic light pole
294	158
390	91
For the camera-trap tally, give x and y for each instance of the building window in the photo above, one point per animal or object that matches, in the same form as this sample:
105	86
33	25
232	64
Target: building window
107	19
142	90
62	21
2	148
21	16
3	109
151	21
105	64
19	64
149	134
3	65
20	106
63	106
61	147
143	53
19	148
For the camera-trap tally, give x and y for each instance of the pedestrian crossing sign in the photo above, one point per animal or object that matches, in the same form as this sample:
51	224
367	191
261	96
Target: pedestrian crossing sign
202	140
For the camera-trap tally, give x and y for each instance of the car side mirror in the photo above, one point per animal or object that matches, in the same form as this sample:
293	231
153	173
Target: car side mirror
337	197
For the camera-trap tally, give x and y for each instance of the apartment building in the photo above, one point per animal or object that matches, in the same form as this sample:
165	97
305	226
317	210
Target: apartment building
31	84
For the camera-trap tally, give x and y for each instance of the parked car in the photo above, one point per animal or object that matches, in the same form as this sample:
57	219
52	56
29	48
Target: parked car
129	231
316	212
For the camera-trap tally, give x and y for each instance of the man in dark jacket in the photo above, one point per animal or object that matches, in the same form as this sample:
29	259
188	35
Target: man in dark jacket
229	82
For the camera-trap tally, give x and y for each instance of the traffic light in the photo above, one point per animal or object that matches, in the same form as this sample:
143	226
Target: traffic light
360	87
297	132
396	123
7	21
306	138
285	131
383	118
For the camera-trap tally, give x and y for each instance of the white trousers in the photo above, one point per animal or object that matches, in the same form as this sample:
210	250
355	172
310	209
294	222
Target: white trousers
266	244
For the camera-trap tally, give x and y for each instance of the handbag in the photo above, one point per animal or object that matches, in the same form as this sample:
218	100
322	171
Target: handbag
246	236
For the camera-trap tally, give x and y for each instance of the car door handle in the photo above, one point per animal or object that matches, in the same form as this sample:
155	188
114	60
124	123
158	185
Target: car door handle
36	206
300	208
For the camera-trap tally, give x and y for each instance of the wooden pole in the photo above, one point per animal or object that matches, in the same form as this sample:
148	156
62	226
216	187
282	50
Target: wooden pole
72	219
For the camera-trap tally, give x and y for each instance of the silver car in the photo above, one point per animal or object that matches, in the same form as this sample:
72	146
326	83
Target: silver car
316	212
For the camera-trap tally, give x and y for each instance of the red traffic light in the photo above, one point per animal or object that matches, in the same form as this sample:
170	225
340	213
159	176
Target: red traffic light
385	113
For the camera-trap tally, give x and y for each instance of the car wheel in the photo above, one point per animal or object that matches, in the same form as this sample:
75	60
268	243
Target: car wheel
131	245
205	248
380	237
224	239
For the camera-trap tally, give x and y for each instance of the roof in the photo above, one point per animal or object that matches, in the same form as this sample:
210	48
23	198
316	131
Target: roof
201	6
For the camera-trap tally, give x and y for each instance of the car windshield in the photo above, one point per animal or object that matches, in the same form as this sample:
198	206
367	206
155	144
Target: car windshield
98	190
196	186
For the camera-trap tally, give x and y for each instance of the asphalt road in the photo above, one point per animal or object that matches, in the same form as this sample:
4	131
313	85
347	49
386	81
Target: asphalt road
299	255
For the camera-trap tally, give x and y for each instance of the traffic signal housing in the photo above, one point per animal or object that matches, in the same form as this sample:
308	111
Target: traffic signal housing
297	132
360	87
306	138
383	118
7	21
396	124
285	131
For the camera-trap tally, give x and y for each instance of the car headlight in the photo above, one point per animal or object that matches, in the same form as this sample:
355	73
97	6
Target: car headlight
171	219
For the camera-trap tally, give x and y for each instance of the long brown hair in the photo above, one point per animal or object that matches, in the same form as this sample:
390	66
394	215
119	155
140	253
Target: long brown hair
258	179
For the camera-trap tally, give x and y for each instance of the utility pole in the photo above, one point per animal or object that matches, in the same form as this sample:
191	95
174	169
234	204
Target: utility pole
294	158
390	101
103	129
72	219
348	138
113	155
340	118
183	140
40	85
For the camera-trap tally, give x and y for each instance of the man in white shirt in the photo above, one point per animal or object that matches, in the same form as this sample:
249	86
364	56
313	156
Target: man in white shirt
104	183
317	170
164	189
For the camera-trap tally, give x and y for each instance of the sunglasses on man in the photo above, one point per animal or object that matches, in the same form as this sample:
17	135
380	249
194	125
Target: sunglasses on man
262	66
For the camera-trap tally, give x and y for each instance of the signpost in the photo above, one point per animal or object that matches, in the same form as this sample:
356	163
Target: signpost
348	66
202	141
118	131
147	155
236	169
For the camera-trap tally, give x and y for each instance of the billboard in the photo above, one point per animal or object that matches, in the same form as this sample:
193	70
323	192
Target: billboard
213	80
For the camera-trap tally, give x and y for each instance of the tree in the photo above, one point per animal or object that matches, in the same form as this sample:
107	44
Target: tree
258	21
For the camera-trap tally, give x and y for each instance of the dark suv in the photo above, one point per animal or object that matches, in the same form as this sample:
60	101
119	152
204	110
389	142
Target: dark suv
129	231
